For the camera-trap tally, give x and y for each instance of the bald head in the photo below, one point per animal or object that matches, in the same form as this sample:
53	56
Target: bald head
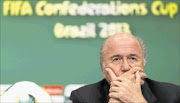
121	36
122	40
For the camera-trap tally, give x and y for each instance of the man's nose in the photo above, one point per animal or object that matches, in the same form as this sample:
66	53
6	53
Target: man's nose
126	66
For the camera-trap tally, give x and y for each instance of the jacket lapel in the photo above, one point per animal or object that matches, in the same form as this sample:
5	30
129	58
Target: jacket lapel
147	93
103	92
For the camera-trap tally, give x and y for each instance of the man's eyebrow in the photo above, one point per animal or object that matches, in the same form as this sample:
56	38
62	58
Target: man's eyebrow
115	56
134	55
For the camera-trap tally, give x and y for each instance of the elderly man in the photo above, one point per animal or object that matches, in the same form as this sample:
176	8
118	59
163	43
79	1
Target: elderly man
122	60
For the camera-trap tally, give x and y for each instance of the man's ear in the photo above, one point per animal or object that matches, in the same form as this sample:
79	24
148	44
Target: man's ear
101	64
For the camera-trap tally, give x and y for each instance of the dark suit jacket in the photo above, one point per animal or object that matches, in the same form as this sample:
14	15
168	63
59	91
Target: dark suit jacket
153	92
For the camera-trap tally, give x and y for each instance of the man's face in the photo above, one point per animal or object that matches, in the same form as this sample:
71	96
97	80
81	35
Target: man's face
122	54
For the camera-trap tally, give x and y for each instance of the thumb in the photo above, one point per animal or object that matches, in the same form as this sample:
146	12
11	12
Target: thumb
138	78
111	73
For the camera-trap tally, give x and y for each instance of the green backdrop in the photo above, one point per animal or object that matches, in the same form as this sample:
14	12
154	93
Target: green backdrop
30	51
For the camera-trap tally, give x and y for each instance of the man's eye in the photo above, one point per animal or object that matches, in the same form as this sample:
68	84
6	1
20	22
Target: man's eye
133	58
116	59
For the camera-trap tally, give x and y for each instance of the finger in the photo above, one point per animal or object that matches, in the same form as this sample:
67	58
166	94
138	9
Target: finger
115	95
142	82
115	84
114	100
134	70
114	89
111	73
138	78
143	75
127	80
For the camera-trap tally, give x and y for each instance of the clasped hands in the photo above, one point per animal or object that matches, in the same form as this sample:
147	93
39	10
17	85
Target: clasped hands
127	87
